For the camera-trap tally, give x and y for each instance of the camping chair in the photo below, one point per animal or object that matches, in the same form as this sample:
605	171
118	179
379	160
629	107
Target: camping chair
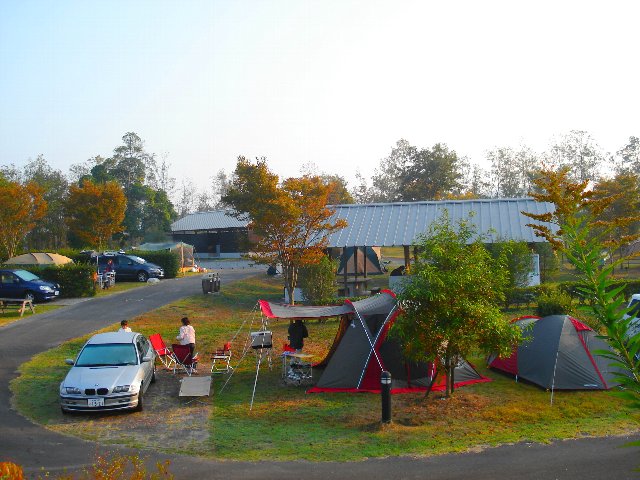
221	359
182	354
165	355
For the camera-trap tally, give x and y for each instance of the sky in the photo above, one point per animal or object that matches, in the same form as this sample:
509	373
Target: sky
333	83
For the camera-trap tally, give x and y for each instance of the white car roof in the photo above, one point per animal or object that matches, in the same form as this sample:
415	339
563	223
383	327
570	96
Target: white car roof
112	337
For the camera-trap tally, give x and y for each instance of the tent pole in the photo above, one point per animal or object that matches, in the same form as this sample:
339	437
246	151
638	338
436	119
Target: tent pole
553	380
372	343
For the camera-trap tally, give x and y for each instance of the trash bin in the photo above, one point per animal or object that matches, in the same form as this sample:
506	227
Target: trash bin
210	283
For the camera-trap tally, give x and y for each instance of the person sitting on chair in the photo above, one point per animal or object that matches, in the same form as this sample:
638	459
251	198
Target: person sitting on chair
124	326
297	333
187	335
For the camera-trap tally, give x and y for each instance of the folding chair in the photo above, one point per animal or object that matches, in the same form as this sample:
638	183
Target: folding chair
221	359
182	354
165	355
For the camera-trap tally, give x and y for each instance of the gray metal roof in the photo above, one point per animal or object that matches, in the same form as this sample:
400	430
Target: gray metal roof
395	224
213	220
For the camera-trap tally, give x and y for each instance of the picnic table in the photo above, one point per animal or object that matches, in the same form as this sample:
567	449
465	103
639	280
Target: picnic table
21	303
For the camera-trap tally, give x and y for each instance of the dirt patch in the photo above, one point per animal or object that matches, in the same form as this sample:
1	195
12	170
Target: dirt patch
168	422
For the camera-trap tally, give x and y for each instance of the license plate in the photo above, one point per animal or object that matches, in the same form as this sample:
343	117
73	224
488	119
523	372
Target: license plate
96	402
57	292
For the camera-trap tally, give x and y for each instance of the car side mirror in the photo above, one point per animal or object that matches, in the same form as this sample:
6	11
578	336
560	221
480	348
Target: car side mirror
146	358
68	361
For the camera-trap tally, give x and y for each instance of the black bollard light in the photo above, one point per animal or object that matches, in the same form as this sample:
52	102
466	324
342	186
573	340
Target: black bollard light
385	394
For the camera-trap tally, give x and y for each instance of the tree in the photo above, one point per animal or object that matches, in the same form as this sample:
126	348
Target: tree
570	229
409	174
50	231
628	157
512	171
291	220
451	305
580	153
23	206
517	259
95	212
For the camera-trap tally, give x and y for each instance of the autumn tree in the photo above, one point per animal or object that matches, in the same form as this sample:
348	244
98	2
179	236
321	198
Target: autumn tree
451	306
577	229
291	219
579	153
22	206
95	212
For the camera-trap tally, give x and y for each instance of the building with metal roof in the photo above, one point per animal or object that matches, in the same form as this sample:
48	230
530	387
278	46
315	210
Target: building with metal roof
400	224
375	225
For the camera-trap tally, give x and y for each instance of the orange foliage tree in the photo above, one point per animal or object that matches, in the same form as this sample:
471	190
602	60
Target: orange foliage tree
290	220
95	212
21	206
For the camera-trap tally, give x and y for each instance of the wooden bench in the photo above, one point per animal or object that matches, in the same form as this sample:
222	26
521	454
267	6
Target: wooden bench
21	303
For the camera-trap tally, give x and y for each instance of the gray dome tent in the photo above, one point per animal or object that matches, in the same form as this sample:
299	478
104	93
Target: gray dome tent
558	355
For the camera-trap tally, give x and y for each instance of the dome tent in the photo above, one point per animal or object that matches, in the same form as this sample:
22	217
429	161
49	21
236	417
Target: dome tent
39	259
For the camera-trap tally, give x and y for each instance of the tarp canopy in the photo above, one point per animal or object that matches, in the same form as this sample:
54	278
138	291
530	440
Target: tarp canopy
39	259
558	354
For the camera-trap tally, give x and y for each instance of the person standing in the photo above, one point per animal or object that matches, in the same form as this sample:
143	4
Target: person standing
297	333
187	335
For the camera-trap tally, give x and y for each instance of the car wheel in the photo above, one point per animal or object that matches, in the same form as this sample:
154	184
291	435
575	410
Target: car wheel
140	402
143	277
30	296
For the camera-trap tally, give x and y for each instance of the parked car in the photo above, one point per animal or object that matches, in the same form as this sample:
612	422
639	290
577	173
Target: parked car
18	283
111	372
130	267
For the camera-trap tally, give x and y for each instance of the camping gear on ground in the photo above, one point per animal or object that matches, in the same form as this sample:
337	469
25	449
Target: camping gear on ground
163	353
296	368
210	283
184	359
221	359
559	355
39	259
362	350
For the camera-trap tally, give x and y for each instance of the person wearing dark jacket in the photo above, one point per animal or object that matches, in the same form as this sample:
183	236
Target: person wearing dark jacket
297	334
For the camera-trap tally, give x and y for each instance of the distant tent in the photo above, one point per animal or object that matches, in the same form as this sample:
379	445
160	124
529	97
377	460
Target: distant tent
361	349
39	259
183	250
368	260
559	355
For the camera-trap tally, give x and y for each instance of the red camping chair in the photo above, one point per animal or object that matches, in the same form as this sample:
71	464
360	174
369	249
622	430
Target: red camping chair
221	359
287	348
184	358
165	355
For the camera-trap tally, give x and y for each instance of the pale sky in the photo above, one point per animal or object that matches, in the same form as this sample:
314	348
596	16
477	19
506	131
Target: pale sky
332	82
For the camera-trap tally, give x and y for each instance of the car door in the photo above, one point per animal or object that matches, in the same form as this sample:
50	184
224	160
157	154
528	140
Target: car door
143	346
10	285
126	267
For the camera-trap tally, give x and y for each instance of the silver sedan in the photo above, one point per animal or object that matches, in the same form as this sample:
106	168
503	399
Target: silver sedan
112	372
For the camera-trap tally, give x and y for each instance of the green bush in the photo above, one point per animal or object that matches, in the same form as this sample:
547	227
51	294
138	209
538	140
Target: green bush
76	280
554	303
521	296
169	261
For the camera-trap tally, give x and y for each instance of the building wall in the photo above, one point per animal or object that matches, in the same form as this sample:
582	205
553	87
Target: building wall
215	243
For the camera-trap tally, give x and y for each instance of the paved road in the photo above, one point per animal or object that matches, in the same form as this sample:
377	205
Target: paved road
36	448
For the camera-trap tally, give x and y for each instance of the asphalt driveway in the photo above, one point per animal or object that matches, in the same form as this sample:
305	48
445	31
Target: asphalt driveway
38	449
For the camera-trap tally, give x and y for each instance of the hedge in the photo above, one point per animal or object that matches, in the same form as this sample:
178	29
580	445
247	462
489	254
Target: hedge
76	280
169	261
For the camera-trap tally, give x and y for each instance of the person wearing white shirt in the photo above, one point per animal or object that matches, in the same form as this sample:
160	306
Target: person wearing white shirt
124	326
187	335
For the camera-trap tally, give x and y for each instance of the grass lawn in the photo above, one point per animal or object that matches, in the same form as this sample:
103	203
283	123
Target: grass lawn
12	314
286	423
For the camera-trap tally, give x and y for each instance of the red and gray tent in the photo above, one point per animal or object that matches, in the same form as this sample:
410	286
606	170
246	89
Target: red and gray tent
558	354
361	349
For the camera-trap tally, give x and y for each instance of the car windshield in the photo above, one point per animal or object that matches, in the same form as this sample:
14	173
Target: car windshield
26	276
137	259
107	354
